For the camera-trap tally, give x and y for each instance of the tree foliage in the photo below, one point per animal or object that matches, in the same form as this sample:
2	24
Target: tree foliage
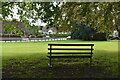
104	17
31	12
88	33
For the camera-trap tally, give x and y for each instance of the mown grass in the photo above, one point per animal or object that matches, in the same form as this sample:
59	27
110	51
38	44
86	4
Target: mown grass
29	60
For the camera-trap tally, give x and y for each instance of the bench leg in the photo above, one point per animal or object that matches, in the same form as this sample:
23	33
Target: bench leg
90	61
50	65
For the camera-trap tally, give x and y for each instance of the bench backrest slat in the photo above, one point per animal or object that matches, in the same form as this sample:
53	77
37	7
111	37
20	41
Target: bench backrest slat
85	50
71	44
69	49
70	53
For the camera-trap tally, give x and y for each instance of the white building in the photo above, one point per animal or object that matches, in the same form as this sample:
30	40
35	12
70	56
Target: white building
115	33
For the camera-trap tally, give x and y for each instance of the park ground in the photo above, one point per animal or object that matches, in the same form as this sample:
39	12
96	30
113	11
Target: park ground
29	60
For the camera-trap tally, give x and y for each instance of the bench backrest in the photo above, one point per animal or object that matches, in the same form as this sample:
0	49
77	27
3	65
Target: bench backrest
81	49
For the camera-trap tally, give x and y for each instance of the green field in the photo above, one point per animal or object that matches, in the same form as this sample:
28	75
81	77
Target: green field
29	60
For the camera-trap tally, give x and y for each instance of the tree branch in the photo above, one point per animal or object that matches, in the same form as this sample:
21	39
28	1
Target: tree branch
7	4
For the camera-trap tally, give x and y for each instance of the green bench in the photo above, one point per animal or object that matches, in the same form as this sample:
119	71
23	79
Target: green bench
83	51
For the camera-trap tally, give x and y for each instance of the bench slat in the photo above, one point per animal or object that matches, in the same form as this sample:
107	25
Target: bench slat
82	56
71	44
87	54
69	49
70	53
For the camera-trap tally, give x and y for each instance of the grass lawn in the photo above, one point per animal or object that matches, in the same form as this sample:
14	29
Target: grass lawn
29	60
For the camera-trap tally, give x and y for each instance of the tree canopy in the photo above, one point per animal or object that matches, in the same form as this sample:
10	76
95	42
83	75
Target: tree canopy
104	17
30	12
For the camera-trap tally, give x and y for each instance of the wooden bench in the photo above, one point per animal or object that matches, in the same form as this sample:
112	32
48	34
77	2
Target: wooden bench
83	51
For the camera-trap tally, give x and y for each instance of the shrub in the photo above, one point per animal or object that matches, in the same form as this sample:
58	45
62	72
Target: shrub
99	37
59	35
43	35
16	36
33	36
39	36
87	33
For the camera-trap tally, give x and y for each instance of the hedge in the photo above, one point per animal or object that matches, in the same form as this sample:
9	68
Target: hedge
99	37
17	36
59	35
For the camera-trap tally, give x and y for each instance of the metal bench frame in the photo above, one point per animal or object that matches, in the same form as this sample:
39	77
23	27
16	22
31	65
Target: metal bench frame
89	54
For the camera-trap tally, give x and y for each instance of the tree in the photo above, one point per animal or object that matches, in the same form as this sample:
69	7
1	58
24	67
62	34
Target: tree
87	33
46	11
104	17
11	29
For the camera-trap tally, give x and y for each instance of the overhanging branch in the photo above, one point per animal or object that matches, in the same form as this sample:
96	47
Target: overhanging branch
6	4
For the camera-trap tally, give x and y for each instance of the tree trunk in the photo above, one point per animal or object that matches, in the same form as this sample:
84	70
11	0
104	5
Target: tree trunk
7	4
118	33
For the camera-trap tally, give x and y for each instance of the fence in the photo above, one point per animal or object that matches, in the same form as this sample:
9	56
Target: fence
55	39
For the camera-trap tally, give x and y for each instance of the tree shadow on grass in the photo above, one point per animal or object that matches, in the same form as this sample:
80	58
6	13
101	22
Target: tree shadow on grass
99	69
102	67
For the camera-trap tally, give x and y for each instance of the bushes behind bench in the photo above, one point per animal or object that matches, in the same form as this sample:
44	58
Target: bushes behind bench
59	35
88	34
14	36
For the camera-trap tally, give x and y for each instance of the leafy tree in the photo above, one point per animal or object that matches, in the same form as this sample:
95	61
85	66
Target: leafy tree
11	29
46	11
103	16
87	33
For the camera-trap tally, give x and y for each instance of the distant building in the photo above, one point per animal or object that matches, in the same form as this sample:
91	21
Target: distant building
115	33
52	30
64	32
20	25
49	30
